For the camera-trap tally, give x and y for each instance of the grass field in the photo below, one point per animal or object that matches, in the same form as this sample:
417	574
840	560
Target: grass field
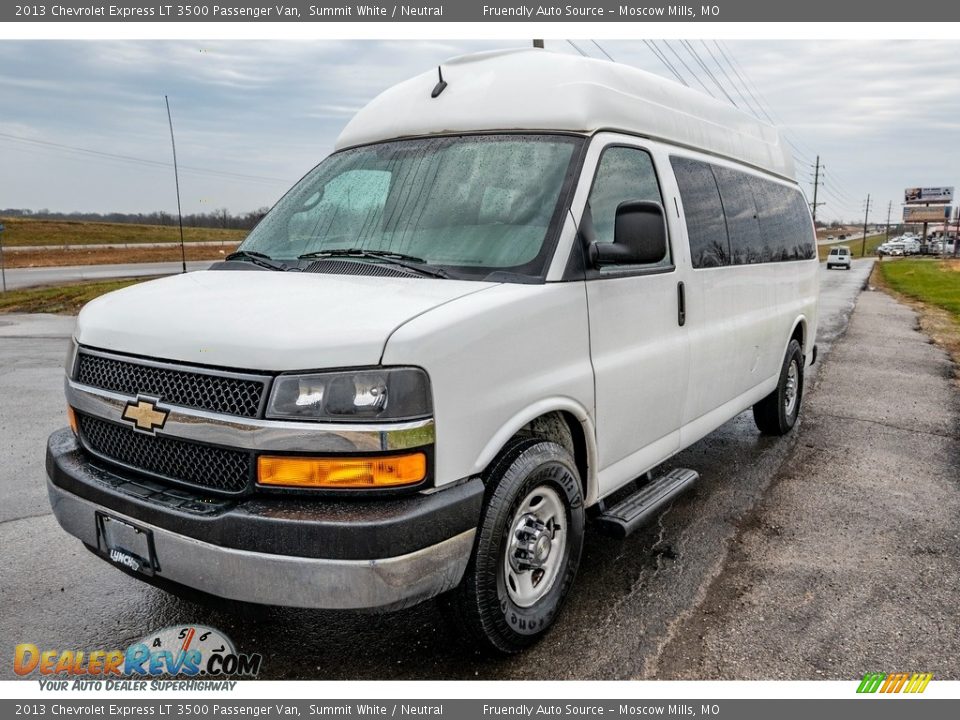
932	281
27	232
932	288
873	242
63	299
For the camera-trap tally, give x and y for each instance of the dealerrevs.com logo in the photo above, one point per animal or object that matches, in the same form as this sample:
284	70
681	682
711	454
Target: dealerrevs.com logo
203	656
887	683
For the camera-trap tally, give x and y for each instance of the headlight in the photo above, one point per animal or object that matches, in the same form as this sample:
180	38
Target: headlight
376	394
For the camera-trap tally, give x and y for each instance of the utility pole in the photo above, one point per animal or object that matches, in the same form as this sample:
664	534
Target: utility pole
863	243
3	270
886	233
956	234
816	186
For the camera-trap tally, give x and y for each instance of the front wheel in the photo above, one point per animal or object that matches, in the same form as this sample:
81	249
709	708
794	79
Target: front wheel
777	413
527	549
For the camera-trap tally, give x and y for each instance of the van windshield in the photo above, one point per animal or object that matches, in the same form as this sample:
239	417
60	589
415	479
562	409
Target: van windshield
470	204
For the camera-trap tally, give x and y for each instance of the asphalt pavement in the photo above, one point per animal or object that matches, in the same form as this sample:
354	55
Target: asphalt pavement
635	604
851	560
18	278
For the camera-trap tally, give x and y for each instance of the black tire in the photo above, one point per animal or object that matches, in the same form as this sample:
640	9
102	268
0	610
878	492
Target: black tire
483	603
775	414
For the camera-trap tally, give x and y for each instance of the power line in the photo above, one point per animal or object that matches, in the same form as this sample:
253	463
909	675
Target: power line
761	101
729	80
702	64
796	151
692	74
746	94
743	82
609	57
828	182
574	46
137	160
663	58
765	107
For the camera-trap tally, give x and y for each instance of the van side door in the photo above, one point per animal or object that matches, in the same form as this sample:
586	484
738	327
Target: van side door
638	343
742	233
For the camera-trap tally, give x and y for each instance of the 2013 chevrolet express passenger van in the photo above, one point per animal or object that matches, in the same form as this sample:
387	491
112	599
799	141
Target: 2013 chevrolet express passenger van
512	290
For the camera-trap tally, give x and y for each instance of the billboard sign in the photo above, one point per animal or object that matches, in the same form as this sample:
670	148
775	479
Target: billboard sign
921	214
940	195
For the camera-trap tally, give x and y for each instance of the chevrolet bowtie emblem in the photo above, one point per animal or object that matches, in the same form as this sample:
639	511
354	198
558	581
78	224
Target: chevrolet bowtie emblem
144	415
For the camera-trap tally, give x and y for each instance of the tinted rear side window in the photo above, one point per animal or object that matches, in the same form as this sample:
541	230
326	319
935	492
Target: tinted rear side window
784	221
706	227
734	218
747	246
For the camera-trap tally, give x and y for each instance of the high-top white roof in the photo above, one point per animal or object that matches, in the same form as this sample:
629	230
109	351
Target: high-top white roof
532	89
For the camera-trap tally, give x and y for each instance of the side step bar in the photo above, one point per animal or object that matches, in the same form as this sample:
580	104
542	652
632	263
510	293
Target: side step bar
636	510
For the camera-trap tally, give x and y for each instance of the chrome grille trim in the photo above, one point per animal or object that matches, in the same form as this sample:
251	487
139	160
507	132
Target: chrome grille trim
255	434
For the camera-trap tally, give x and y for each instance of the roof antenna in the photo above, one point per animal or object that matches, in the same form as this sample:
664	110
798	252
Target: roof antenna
441	85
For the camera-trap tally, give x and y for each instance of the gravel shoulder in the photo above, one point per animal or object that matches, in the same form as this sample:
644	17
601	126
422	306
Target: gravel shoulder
851	561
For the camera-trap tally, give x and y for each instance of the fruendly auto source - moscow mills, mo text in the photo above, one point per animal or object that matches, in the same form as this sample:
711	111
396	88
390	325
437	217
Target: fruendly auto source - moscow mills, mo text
592	12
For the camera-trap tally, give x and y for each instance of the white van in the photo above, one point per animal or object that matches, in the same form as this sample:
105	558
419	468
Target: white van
511	292
839	257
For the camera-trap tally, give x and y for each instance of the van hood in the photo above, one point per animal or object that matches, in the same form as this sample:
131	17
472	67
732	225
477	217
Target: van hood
263	320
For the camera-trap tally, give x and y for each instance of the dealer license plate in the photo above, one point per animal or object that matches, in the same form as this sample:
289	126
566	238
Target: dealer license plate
126	545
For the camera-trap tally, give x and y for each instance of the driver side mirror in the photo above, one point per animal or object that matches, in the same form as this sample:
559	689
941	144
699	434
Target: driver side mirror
639	236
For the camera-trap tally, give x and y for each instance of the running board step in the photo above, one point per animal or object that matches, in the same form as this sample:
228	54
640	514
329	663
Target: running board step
636	510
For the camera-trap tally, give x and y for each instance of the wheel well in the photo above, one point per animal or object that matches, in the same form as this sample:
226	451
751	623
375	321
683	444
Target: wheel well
565	430
798	335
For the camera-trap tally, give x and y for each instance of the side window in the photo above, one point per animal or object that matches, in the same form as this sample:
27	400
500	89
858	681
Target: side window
784	221
802	238
624	174
706	228
747	246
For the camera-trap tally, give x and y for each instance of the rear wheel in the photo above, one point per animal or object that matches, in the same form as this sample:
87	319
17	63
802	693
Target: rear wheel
777	413
527	549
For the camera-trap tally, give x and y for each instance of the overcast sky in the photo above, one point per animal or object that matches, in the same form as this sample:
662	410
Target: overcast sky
252	117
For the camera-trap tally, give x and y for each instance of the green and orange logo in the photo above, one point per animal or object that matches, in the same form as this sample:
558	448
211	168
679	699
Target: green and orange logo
894	682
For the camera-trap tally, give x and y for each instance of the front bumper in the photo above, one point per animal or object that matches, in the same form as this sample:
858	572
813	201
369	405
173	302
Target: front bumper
299	552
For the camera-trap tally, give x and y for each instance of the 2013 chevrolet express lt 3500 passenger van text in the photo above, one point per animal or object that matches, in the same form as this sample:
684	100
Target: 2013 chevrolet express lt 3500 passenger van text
522	281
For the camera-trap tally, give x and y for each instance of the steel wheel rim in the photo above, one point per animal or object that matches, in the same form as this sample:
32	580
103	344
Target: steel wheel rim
535	547
790	392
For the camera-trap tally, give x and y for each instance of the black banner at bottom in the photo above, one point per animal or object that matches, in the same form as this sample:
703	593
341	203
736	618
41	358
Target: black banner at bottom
873	707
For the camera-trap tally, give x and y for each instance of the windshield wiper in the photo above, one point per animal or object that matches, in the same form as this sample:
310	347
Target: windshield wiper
257	258
410	262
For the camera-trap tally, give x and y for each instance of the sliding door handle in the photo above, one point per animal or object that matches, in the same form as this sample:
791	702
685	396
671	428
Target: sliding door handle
681	305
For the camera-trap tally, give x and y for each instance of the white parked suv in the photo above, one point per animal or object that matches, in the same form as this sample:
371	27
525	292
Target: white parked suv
506	296
839	257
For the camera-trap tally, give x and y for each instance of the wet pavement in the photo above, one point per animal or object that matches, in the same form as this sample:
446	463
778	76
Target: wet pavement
629	599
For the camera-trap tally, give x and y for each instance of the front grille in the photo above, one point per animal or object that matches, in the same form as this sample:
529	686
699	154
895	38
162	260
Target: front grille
212	468
216	393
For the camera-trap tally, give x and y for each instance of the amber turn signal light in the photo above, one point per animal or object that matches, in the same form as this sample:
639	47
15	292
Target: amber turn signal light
72	419
342	472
